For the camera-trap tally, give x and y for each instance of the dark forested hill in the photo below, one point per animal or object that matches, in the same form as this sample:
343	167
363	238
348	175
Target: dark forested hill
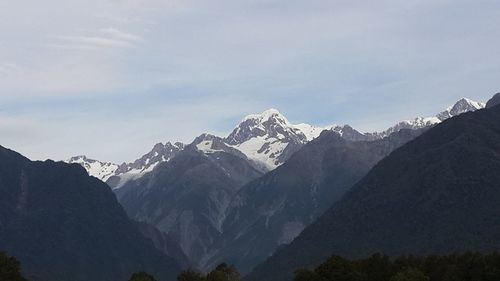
439	193
65	225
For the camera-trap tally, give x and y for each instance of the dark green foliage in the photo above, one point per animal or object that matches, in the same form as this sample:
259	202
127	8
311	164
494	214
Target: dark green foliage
435	195
141	276
339	269
410	274
222	272
190	275
455	267
306	275
10	268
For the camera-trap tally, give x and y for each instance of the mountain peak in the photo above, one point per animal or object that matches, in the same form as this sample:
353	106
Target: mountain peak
119	174
270	123
77	158
495	100
95	168
269	138
461	106
265	115
204	137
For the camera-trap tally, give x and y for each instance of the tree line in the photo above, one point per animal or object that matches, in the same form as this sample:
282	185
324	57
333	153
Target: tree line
222	272
468	266
10	270
454	267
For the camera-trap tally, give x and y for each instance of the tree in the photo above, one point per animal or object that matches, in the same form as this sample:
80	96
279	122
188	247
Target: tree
141	276
224	272
410	274
306	275
10	268
190	275
377	267
339	269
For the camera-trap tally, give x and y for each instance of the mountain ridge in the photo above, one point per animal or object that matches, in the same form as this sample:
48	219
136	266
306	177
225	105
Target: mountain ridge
267	139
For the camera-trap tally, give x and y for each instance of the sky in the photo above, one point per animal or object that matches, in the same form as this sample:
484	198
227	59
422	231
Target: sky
110	78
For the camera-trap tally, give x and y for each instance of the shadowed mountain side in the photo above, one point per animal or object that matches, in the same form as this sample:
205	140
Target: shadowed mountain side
164	243
188	197
65	225
437	194
274	209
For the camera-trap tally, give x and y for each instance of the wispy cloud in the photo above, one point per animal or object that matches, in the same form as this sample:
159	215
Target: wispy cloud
8	68
102	38
120	35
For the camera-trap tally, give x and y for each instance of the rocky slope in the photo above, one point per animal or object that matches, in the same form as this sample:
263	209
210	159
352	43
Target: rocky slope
188	197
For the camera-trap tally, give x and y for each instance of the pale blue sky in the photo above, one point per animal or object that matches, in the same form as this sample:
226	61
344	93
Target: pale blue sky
109	78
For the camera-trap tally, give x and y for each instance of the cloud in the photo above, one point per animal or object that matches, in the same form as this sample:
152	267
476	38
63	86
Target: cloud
102	38
8	68
120	35
131	71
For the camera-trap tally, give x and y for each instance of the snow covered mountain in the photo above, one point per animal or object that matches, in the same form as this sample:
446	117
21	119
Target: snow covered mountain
269	139
160	153
116	175
210	188
95	168
461	106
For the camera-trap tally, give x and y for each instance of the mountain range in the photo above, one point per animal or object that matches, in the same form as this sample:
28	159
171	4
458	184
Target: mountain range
268	192
267	140
266	181
437	194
